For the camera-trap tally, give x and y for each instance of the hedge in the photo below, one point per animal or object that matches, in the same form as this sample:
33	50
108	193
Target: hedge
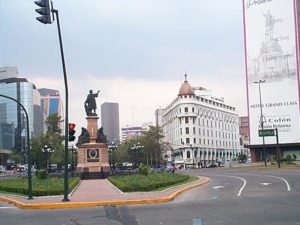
132	183
40	187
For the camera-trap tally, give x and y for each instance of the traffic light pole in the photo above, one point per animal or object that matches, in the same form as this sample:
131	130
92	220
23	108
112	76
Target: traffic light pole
28	146
277	148
66	184
46	19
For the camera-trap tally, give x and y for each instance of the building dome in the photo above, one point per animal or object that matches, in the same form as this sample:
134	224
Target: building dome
186	88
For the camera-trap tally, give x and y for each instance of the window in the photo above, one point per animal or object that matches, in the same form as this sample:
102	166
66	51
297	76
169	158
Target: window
181	131
187	130
186	119
186	109
193	109
188	154
194	140
194	130
187	140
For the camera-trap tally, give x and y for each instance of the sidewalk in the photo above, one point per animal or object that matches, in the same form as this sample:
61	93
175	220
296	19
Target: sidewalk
101	192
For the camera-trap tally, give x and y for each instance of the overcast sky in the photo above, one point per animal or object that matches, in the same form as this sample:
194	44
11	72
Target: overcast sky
135	52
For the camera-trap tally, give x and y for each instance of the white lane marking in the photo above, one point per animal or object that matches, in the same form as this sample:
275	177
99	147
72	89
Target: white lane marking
244	183
7	207
287	183
265	184
217	187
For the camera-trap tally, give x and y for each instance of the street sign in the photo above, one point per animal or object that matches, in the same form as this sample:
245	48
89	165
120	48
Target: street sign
266	132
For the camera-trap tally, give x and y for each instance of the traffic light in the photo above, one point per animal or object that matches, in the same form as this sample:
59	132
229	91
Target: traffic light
45	11
72	131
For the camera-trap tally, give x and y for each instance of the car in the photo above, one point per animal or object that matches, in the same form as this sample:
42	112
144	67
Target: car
212	165
1	169
170	169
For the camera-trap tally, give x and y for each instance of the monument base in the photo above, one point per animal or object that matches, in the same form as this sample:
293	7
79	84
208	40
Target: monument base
93	161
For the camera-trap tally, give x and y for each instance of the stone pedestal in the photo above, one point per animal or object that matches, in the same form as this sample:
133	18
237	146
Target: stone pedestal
93	156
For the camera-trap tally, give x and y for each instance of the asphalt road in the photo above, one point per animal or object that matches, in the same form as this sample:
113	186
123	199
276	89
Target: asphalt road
232	197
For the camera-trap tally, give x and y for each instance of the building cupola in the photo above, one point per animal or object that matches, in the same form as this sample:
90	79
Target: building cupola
186	88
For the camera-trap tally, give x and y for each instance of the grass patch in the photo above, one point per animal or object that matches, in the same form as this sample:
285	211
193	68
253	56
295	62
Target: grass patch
40	187
154	181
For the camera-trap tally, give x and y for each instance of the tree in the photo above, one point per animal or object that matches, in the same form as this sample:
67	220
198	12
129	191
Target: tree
52	123
124	153
40	158
242	157
294	157
151	141
17	157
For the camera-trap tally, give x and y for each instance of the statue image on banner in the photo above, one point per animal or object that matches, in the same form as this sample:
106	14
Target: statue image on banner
90	104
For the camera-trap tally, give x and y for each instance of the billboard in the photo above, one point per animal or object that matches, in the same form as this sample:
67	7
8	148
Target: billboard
271	52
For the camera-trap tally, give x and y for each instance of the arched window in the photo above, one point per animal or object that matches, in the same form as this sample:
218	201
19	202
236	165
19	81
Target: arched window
188	154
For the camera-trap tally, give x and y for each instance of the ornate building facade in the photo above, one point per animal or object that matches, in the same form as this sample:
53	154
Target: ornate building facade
200	129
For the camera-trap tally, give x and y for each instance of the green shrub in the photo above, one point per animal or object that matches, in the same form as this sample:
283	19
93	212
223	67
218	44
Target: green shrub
131	183
42	174
144	169
40	187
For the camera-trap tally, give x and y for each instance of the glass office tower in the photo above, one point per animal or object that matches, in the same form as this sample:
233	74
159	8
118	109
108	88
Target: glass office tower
13	118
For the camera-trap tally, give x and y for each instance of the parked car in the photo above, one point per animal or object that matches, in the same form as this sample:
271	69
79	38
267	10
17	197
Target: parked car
212	165
170	169
1	168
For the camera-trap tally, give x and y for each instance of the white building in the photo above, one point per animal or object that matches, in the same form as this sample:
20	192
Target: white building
199	128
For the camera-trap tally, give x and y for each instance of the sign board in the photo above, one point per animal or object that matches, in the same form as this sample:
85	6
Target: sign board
266	132
271	49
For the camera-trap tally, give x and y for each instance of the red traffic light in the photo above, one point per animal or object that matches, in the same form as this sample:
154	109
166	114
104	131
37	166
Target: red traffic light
72	131
72	126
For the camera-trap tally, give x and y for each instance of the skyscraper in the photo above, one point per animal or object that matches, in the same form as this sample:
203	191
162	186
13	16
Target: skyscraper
110	121
12	117
51	102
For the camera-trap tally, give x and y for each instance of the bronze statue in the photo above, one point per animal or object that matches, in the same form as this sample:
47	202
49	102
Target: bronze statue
101	138
90	104
84	137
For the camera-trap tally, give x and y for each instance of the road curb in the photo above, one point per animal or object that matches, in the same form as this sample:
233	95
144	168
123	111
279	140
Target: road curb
61	205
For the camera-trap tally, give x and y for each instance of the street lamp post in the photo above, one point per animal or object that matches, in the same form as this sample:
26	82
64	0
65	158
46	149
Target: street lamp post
73	151
28	145
193	155
262	119
137	148
48	151
112	147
